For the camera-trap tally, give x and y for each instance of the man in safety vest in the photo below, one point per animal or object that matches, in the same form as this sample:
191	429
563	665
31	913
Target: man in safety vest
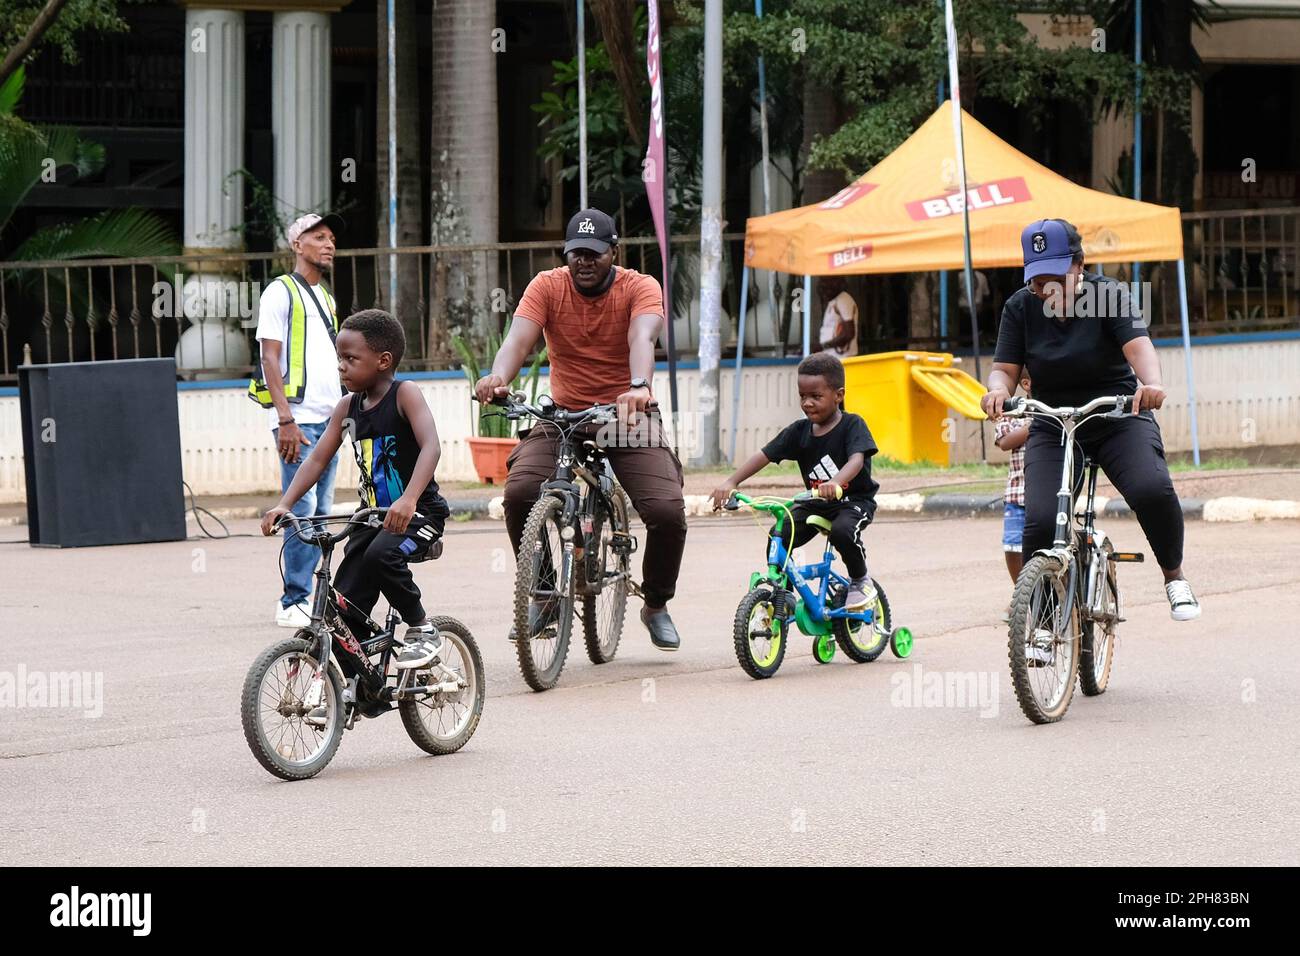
296	326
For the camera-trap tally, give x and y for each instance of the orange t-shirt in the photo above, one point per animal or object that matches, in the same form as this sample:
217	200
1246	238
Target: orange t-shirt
586	338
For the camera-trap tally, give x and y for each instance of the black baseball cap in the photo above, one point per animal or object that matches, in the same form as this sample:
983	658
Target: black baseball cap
590	229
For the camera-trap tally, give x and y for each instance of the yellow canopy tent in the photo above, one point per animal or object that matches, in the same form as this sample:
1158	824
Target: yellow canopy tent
905	215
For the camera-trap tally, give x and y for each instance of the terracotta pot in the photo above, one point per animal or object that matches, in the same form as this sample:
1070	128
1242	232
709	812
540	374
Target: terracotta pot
490	456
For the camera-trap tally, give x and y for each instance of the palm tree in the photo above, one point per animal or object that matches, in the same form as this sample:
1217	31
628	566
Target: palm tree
464	155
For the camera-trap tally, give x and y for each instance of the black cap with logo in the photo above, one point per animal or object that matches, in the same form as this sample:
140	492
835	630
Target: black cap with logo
590	229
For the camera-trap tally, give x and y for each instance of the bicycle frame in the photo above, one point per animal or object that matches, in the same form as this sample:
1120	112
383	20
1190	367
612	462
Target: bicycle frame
1074	543
335	642
804	577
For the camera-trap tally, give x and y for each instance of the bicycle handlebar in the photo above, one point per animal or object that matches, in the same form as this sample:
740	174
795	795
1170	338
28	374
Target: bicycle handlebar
1020	407
772	507
370	517
547	411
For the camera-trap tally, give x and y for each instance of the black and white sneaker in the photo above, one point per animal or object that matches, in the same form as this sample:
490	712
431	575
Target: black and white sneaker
422	644
1183	605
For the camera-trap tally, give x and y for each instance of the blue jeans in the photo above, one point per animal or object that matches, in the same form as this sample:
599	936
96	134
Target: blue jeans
299	558
1013	527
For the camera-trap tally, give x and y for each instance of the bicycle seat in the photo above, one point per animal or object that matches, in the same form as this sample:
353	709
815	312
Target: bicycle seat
433	554
822	524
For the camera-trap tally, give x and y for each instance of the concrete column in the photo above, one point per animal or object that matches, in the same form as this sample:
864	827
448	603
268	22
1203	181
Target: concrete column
214	128
300	118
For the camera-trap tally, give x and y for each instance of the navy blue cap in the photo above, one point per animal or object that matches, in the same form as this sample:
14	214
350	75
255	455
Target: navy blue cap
1050	246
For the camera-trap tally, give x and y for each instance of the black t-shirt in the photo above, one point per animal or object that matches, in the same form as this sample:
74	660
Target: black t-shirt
1074	361
820	457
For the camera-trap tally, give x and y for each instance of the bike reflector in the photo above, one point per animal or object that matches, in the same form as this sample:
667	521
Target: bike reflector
1133	556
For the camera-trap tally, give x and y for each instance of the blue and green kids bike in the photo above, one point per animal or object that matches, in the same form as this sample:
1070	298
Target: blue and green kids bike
812	596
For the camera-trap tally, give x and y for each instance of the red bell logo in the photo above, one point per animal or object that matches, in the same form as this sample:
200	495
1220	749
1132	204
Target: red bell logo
1000	192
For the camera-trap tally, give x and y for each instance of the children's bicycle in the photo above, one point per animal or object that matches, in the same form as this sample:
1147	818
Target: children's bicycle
303	692
812	596
1065	609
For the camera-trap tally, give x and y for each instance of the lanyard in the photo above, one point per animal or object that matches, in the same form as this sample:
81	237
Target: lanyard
325	317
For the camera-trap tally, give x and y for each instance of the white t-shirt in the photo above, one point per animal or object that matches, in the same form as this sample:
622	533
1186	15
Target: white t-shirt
842	308
323	390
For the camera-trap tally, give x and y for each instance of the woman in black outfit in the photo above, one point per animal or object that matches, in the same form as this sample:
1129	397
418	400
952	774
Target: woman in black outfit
1079	338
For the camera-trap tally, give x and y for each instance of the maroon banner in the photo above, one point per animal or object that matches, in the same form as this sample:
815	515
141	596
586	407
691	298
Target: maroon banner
654	169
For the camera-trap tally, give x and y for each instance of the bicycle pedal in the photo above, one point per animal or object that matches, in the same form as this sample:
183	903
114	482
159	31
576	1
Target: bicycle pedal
623	544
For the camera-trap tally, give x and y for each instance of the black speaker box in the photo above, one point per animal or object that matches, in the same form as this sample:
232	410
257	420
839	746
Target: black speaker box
102	452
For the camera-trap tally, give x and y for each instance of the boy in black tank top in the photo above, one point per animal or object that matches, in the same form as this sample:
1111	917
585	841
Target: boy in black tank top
396	445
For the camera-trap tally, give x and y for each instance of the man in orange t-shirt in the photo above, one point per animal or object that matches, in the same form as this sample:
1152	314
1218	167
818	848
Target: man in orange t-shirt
600	322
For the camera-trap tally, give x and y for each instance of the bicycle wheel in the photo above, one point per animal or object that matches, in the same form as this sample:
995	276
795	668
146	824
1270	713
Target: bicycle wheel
444	722
863	642
1043	646
1097	645
759	636
603	612
541	552
273	706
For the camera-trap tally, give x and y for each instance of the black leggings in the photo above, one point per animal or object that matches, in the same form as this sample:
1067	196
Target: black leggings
1130	452
847	518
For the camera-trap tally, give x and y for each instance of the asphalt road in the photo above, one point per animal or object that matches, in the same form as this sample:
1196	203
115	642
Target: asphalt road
1189	758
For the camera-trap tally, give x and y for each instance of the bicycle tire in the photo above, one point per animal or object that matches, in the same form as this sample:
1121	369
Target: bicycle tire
603	651
1094	675
845	636
411	710
269	754
1042	571
741	634
546	510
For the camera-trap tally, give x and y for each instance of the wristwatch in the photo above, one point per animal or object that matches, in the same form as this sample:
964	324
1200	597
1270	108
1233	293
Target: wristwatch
640	383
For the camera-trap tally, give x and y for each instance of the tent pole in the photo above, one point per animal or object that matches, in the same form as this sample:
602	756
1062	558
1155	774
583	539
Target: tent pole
740	356
1187	357
807	315
943	274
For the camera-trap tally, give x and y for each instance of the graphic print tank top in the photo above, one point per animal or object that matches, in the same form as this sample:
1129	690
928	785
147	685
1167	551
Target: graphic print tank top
386	452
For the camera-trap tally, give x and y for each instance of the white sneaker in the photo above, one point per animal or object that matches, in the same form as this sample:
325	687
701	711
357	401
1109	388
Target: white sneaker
1039	651
1183	605
295	615
861	595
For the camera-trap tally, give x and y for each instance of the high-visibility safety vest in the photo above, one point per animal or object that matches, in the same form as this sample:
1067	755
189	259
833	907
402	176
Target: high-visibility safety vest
295	382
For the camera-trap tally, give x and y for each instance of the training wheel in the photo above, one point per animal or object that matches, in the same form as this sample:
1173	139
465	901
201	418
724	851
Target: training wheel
824	649
900	642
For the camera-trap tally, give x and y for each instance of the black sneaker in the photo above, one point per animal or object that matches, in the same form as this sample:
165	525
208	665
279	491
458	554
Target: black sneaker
422	646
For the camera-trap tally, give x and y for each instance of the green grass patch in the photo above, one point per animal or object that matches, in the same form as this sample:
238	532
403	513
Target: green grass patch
1225	463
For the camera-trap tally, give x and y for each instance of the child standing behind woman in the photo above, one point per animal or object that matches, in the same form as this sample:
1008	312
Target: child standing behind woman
1010	435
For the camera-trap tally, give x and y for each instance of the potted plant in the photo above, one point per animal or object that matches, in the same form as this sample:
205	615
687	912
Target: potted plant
494	434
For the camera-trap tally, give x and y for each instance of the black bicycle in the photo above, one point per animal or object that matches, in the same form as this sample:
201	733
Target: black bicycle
576	551
1066	610
303	692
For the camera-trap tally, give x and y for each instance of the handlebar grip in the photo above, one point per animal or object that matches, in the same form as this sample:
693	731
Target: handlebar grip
1013	403
731	504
